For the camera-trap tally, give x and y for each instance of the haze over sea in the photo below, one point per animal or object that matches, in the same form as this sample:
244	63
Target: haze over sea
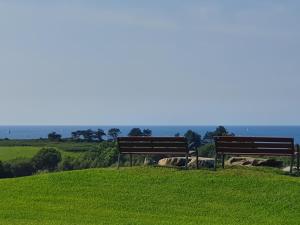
34	132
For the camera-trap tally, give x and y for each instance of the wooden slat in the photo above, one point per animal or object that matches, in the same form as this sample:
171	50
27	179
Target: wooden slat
254	139
255	145
256	151
157	153
173	139
153	150
152	144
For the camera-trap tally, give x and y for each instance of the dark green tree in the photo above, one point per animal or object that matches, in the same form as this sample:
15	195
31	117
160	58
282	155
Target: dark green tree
21	167
219	131
193	139
135	132
99	134
113	133
46	159
53	136
147	132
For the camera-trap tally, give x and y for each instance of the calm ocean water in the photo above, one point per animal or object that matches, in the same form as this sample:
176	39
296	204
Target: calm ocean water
32	132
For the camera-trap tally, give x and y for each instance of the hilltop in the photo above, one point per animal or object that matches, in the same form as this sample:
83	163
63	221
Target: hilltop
151	196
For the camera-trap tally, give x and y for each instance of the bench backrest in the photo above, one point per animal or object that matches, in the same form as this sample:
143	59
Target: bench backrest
153	145
255	145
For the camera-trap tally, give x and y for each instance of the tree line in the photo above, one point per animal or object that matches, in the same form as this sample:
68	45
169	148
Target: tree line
194	139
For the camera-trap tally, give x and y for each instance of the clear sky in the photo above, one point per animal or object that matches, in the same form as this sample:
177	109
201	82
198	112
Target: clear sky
163	62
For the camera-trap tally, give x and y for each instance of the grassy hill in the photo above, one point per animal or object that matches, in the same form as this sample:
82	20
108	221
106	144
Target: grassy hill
151	196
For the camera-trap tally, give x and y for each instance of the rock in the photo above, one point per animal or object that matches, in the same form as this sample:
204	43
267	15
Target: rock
172	161
202	162
148	161
287	169
180	162
249	161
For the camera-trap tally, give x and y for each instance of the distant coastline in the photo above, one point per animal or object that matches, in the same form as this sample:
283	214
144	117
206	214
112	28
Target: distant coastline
35	132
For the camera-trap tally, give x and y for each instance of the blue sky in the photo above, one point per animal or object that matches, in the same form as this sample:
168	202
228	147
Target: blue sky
150	62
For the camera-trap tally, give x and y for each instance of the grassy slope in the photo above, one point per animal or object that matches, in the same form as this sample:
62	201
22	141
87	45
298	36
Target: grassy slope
9	153
151	196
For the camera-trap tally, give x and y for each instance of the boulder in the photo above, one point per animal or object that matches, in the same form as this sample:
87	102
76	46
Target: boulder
180	162
148	161
202	162
287	169
172	161
250	161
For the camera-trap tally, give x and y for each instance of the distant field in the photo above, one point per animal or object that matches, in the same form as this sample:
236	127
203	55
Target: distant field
9	153
151	196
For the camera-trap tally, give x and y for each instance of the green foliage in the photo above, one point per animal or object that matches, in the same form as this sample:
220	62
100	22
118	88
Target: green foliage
193	139
147	132
46	159
135	132
21	167
113	133
207	150
1	170
68	163
151	196
88	135
220	131
53	136
104	155
138	132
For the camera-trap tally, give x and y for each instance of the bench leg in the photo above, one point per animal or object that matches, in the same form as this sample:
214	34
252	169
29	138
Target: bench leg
186	161
223	161
119	156
197	159
292	164
130	160
216	161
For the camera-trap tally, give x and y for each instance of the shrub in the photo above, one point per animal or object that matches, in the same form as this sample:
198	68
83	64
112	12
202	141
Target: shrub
20	167
1	170
68	163
207	150
46	159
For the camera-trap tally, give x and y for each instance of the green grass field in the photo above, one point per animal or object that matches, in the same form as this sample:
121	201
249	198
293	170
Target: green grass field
151	196
9	152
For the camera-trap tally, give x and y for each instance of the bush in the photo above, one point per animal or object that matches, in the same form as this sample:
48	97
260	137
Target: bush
20	167
46	159
6	170
1	170
207	150
102	157
68	163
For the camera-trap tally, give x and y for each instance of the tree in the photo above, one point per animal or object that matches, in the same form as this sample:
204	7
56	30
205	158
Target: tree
99	134
46	159
1	170
193	139
177	135
21	167
219	131
88	135
114	133
135	132
147	132
53	136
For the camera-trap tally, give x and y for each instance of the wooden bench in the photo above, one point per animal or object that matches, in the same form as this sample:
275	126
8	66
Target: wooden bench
153	145
266	146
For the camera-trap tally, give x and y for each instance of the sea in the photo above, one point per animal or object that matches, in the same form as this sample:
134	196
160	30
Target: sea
36	132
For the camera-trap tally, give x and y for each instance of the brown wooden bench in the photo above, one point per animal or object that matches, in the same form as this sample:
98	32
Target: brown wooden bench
153	145
266	146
